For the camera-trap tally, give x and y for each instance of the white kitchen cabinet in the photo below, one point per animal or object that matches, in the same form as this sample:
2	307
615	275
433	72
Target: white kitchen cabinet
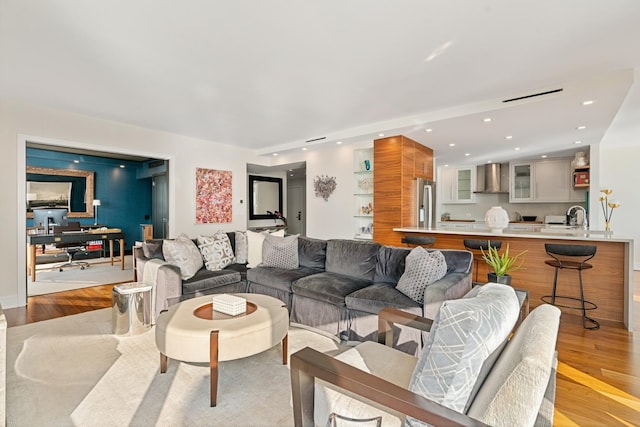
543	181
457	185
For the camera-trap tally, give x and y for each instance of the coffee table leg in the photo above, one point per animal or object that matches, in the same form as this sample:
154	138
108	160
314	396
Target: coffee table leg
163	363
285	349
213	366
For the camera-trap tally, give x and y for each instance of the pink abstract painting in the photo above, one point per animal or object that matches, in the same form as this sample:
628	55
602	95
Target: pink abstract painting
213	196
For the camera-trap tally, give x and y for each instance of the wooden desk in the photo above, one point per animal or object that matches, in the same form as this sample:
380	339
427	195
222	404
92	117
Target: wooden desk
43	239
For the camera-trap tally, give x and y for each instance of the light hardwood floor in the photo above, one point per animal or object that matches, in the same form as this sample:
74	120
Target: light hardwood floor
598	382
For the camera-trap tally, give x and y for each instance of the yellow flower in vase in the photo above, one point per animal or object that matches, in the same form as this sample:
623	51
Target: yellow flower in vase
608	207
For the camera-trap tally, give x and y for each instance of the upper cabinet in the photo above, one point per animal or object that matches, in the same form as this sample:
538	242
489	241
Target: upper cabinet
457	185
548	180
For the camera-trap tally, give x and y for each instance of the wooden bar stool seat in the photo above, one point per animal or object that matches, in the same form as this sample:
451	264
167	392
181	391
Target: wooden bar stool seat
419	241
476	246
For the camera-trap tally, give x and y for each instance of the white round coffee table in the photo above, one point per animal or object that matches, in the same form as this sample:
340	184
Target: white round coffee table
191	331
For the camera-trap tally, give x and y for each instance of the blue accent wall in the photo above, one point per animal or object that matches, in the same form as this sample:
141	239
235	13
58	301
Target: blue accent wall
125	199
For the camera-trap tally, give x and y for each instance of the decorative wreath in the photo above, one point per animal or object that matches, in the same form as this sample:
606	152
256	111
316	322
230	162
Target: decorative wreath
324	185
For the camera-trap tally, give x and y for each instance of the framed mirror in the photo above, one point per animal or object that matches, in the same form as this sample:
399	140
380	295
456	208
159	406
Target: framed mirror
49	187
265	195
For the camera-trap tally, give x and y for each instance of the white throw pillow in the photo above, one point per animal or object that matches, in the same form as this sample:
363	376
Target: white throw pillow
216	251
242	247
422	268
255	241
280	252
183	253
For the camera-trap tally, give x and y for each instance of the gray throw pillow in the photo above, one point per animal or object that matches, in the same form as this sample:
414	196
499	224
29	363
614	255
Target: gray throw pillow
152	249
216	251
183	253
422	268
242	247
464	334
280	252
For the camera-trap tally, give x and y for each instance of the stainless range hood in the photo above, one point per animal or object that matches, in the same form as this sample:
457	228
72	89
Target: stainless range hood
493	176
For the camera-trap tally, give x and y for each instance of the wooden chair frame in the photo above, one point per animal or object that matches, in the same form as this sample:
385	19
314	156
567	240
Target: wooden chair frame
309	364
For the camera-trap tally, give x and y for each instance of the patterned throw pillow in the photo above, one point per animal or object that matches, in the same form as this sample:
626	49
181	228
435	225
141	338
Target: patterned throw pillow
280	252
242	247
422	268
216	251
255	240
183	253
464	334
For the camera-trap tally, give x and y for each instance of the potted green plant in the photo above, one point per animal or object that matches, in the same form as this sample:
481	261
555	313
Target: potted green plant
502	264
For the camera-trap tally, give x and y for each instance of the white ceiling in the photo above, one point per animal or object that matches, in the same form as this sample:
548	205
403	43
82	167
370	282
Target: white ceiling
269	75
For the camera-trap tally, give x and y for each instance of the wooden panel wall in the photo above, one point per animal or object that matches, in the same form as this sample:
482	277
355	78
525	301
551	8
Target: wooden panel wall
603	284
396	163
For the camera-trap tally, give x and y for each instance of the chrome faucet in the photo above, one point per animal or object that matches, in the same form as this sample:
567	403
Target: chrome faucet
585	221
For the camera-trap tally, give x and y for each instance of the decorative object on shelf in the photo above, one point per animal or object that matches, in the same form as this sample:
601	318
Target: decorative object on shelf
367	165
365	184
497	219
324	186
502	264
95	204
608	207
580	160
446	216
366	210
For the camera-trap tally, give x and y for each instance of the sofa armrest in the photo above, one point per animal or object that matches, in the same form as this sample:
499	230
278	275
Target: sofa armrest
389	316
309	364
451	286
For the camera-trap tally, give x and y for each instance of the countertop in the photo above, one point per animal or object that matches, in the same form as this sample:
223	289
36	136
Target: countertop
591	235
482	221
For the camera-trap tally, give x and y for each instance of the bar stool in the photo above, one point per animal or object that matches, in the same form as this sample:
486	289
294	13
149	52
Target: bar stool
476	245
418	240
581	254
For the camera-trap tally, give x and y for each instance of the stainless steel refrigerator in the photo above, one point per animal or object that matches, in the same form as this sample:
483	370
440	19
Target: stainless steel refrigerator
425	203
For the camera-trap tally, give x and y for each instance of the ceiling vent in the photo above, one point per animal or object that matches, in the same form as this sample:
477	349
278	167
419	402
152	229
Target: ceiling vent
316	139
533	95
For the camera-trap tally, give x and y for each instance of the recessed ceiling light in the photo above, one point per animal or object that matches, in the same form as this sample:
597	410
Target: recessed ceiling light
304	148
577	142
467	154
544	156
589	102
486	119
428	130
291	175
508	137
76	161
452	145
516	148
446	166
489	161
275	154
581	127
338	142
381	134
121	166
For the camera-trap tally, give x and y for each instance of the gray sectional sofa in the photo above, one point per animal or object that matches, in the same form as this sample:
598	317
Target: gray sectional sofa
338	288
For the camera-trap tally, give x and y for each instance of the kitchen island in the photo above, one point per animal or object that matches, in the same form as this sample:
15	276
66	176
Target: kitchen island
609	284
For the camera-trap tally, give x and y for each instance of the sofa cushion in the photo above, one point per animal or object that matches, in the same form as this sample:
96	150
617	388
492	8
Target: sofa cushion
514	389
254	242
183	253
374	298
328	287
312	253
280	252
241	249
153	249
206	279
216	251
464	334
278	278
390	264
353	258
422	269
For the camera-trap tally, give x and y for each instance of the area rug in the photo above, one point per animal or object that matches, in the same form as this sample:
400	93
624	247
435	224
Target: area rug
72	371
100	272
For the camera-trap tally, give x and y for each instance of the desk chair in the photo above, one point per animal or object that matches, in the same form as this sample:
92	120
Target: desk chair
70	248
